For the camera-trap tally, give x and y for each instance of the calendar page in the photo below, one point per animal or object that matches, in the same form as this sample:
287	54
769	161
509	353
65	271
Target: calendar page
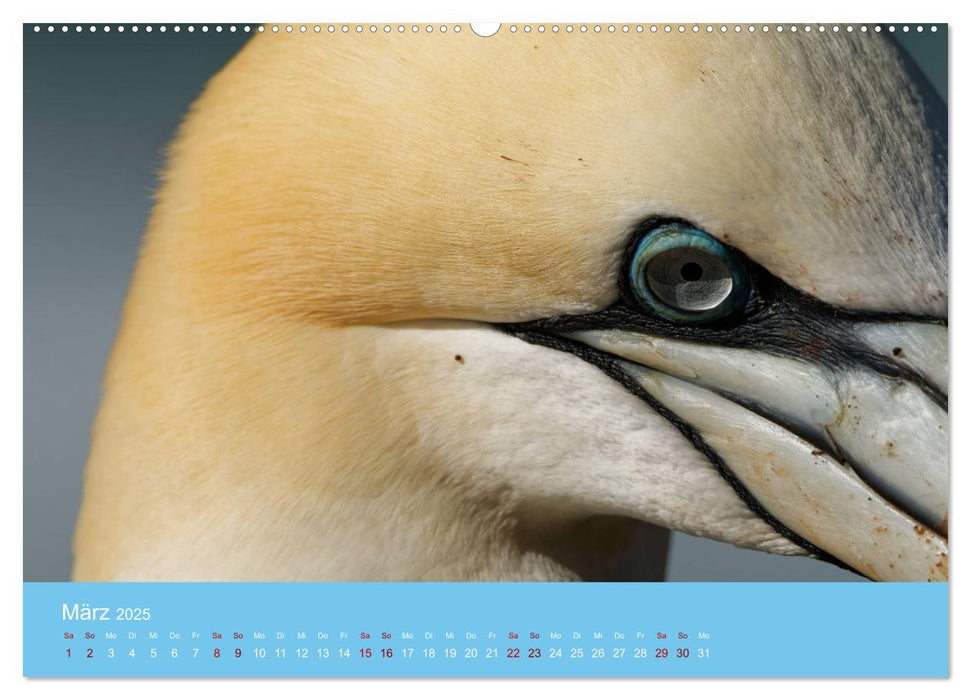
485	350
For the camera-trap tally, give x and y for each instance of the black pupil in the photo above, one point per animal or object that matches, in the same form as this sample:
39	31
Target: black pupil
691	272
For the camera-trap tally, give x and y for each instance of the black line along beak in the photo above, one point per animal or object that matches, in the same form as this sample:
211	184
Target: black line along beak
834	432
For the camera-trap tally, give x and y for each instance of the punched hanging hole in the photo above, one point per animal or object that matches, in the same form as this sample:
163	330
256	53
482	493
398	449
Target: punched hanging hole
484	29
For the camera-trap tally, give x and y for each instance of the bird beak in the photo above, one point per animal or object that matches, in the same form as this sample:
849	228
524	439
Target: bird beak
852	460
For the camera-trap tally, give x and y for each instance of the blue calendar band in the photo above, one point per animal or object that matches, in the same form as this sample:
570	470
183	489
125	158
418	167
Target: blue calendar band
485	629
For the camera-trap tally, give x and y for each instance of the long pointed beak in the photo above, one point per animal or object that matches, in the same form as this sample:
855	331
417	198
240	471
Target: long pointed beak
853	460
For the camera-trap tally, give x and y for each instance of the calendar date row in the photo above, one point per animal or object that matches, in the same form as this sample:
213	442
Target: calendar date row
388	653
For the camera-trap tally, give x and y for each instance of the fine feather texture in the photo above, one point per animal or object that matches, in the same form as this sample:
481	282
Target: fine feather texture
264	418
372	453
385	178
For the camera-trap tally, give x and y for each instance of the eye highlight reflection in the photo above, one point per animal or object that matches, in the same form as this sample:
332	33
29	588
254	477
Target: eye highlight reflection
685	275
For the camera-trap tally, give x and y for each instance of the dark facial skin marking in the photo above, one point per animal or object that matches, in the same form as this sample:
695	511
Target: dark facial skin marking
777	319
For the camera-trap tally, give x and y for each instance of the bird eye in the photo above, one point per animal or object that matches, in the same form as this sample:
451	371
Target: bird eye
686	275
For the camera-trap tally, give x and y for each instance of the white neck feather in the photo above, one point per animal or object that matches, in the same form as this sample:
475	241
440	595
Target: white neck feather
307	453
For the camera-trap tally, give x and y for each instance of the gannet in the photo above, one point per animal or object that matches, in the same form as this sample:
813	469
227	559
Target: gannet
450	308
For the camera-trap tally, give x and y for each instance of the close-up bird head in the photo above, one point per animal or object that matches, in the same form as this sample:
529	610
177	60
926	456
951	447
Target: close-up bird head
448	307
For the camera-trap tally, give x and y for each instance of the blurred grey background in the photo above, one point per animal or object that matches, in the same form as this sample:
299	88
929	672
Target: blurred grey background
99	109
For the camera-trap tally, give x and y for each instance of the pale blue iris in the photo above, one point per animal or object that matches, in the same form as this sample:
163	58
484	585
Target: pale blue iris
685	275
